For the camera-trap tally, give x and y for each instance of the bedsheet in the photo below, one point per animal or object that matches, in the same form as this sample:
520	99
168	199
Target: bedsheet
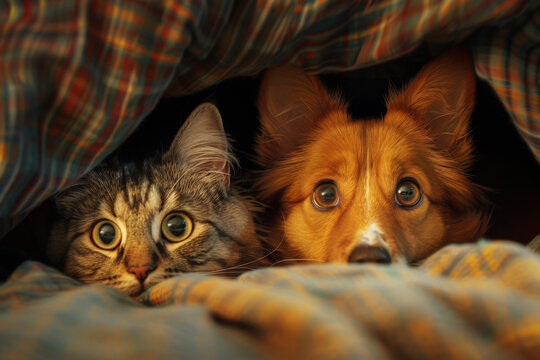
77	77
475	301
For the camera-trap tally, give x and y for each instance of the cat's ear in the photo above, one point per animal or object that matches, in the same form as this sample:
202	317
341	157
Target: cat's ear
441	98
201	143
290	103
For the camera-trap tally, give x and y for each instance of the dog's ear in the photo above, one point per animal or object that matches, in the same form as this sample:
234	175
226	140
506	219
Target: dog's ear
290	103
441	99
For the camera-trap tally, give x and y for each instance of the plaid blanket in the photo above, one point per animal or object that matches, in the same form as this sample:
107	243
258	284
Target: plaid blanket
77	77
479	301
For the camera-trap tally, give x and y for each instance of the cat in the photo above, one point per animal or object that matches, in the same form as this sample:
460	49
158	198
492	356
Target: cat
371	190
134	225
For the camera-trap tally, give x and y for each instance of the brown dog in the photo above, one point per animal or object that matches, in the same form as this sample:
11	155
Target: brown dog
384	190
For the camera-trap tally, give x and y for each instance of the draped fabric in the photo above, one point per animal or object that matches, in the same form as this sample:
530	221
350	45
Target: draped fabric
478	301
77	77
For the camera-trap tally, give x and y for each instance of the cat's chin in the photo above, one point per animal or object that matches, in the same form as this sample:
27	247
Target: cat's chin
136	294
135	290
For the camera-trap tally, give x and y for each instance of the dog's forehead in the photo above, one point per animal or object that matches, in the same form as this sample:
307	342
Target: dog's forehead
362	152
357	145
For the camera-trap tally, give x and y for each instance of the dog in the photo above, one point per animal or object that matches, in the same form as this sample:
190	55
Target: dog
390	190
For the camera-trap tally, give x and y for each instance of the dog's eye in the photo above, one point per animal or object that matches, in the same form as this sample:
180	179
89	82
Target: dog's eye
408	193
325	195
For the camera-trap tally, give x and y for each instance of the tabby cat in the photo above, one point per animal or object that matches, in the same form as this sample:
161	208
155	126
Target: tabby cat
133	225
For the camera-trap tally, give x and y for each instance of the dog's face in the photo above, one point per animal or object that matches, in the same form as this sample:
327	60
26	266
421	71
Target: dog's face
378	190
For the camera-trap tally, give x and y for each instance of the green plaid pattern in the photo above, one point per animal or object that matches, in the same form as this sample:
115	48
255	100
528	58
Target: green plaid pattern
477	301
77	77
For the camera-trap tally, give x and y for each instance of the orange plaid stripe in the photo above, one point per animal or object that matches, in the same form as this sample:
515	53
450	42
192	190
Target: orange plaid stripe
466	301
77	77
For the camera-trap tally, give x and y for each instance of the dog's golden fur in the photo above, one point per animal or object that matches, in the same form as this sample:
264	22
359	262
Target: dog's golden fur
307	136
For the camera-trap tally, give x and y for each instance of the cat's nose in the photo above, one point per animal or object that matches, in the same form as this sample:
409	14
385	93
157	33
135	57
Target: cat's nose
141	272
370	253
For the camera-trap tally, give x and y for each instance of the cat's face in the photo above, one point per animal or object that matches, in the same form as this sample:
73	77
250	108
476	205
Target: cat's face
132	226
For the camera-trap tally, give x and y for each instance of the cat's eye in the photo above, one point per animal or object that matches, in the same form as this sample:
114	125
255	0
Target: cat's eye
408	194
106	235
325	196
176	226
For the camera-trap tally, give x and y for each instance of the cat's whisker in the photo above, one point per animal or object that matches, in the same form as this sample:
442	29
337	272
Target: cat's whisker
220	272
230	270
228	273
125	213
243	265
97	280
281	242
295	260
224	271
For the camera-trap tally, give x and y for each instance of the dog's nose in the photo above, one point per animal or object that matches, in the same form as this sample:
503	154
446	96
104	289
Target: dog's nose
369	253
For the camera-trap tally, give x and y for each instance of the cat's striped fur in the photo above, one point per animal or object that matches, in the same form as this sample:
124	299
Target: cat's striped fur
192	178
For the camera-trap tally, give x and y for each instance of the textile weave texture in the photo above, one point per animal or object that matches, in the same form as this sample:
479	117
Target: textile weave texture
77	77
477	301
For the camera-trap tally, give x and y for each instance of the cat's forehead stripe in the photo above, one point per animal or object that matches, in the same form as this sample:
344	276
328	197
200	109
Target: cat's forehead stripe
136	194
154	198
136	197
